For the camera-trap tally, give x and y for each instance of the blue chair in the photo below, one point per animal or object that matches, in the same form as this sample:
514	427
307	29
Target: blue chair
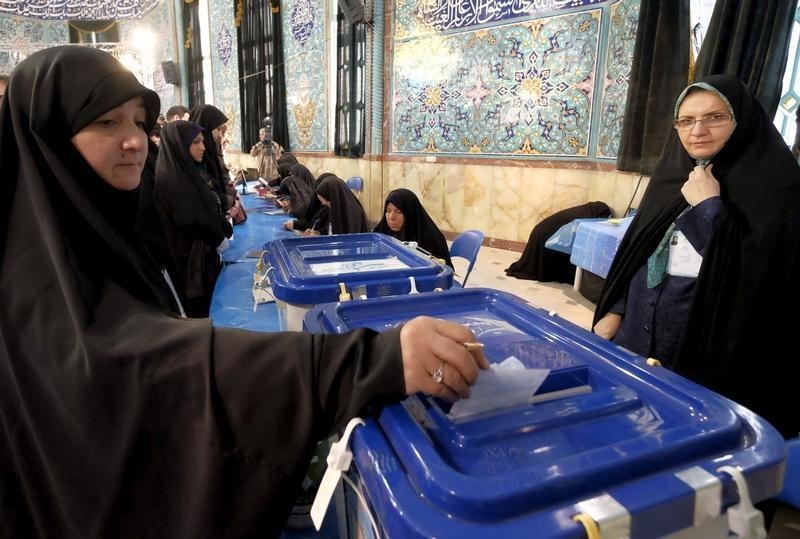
356	183
466	245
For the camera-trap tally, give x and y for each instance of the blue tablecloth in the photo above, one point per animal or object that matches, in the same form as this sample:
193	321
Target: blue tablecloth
564	238
249	237
596	243
232	302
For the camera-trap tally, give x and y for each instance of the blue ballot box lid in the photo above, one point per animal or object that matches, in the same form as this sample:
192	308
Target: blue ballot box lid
634	446
308	269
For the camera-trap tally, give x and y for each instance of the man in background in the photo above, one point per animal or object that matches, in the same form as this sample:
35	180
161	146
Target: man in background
177	112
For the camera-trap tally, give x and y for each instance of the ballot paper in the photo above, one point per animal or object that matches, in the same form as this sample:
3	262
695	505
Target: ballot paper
509	383
505	384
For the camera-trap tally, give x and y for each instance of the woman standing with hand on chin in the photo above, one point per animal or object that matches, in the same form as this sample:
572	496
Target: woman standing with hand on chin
119	418
703	273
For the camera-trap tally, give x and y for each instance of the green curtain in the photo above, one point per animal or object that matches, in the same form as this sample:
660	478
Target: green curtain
749	39
658	75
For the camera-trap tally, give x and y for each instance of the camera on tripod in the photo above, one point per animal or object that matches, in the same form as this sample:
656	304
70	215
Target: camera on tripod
266	125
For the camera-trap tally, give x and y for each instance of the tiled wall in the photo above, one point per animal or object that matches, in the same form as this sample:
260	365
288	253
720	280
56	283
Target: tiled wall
20	37
225	66
159	21
305	42
538	86
497	126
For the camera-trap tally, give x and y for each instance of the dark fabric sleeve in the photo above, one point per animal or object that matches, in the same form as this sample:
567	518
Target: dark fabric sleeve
300	224
232	418
619	306
301	387
698	223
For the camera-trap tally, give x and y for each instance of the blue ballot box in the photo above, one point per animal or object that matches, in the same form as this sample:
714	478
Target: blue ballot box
308	270
603	439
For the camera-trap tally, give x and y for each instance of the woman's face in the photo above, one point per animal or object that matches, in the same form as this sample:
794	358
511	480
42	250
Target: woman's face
324	201
115	144
394	217
219	132
197	147
701	141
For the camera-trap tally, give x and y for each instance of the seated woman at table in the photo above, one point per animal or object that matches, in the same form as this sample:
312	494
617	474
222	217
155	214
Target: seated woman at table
346	215
711	259
284	163
541	264
304	205
196	224
297	195
405	218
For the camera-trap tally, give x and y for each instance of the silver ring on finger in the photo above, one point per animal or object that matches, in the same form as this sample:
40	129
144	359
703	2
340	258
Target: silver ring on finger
438	374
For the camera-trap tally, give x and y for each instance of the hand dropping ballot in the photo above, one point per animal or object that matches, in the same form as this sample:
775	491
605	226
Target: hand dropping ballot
509	383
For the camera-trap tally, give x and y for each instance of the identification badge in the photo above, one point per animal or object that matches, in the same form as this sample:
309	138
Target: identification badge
683	261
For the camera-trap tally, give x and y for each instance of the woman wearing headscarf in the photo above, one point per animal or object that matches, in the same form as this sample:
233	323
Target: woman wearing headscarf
215	124
405	218
346	215
300	187
119	418
544	265
284	163
713	254
196	224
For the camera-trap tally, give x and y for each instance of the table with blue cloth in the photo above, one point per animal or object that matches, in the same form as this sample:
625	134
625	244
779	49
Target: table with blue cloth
261	227
232	303
595	245
591	244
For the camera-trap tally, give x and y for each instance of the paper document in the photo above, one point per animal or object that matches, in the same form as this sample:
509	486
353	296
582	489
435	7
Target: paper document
505	384
509	383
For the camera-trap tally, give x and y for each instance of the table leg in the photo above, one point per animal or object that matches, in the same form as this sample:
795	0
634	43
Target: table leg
578	274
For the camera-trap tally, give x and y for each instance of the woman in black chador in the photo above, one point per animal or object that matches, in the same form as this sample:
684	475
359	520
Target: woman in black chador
405	218
710	261
120	418
195	222
539	263
345	213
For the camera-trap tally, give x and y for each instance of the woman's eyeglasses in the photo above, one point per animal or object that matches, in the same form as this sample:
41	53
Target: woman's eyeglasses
715	119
